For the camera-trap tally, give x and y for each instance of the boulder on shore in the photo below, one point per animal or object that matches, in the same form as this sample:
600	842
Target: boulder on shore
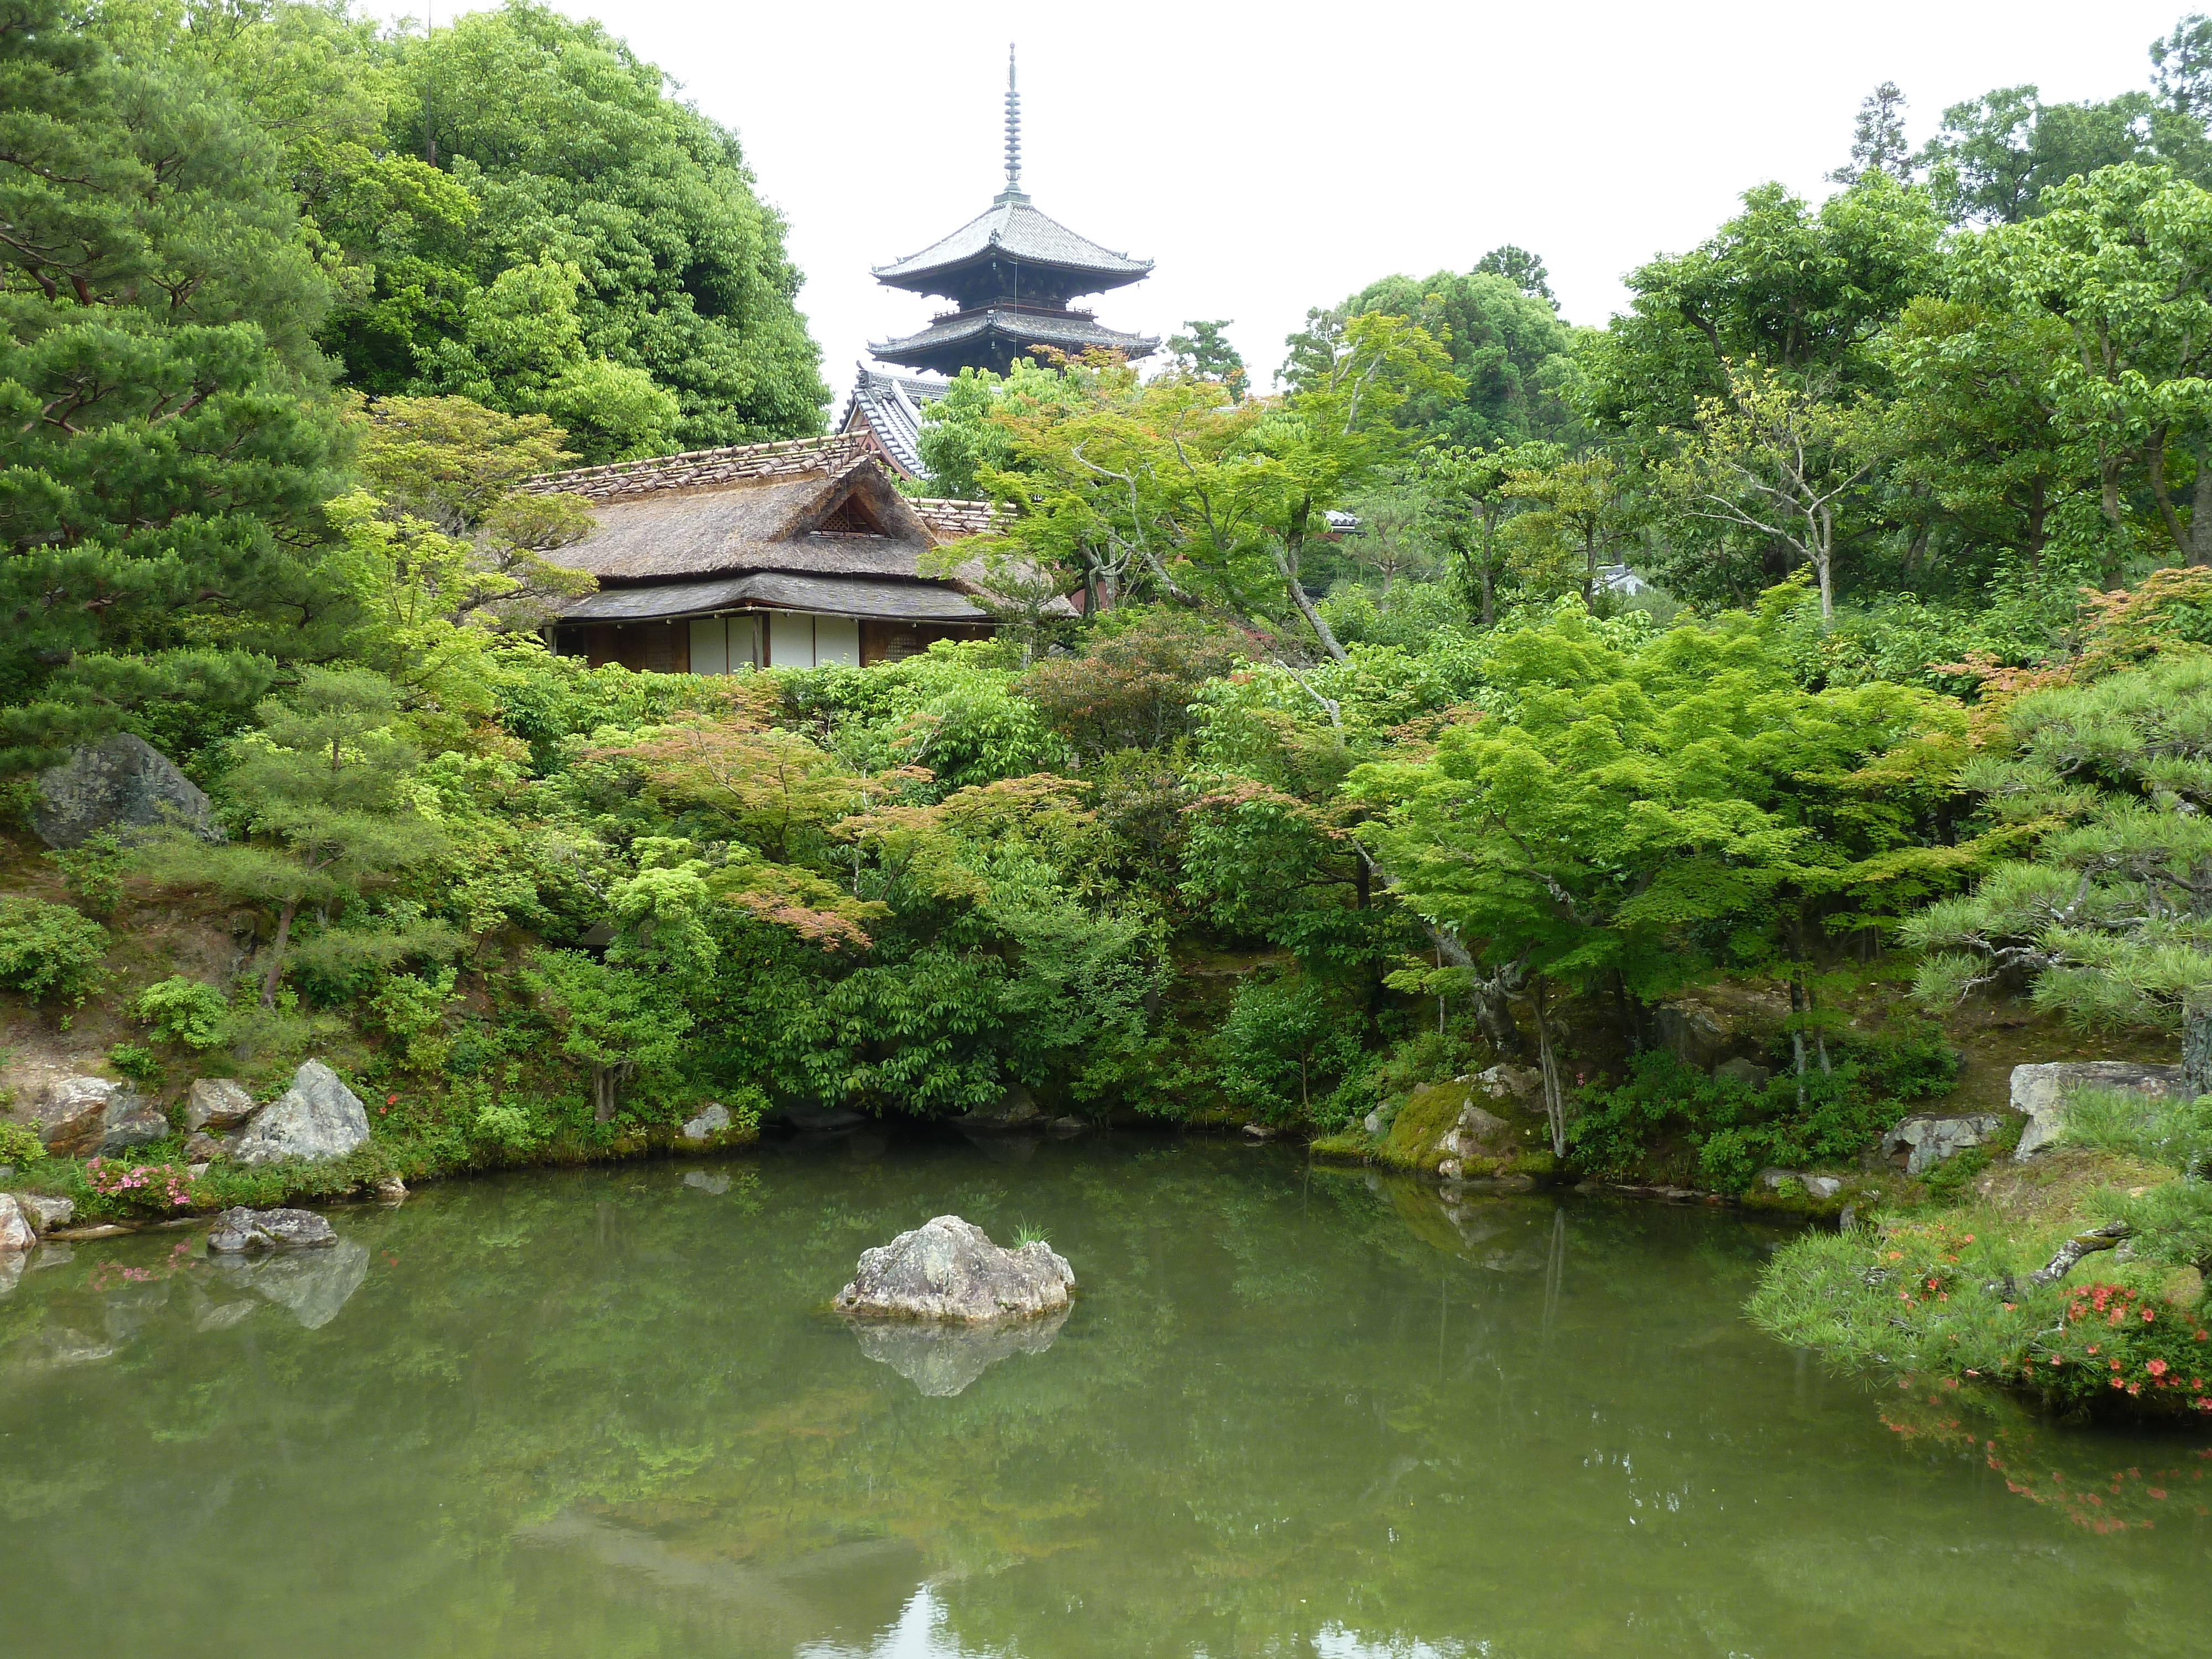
123	785
949	1269
43	1213
241	1231
2040	1091
217	1103
317	1118
69	1113
16	1232
1925	1140
710	1122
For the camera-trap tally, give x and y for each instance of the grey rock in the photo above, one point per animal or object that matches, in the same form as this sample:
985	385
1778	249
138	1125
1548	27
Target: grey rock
317	1118
1524	1083
710	1122
1450	1170
1258	1131
69	1113
2040	1091
389	1189
1064	1127
122	784
16	1232
940	1360
217	1103
312	1285
949	1269
1016	1109
131	1120
1693	1031
1748	1072
196	1171
1822	1187
45	1214
1925	1140
201	1147
240	1231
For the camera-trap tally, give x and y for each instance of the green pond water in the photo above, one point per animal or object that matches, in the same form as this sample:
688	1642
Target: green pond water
605	1413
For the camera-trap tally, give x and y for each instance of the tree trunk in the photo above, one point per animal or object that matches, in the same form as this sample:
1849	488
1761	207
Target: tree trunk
1797	1035
1493	1010
277	952
2155	471
1286	564
2200	508
1555	1103
2196	1049
606	1090
2039	509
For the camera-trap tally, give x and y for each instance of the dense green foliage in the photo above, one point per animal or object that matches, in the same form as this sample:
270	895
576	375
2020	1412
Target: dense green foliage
1466	701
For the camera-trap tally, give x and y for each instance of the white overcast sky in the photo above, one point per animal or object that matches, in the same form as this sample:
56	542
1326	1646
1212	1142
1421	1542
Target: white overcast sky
1273	157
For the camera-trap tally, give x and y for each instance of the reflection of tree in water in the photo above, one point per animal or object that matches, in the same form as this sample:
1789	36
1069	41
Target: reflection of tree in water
1449	1420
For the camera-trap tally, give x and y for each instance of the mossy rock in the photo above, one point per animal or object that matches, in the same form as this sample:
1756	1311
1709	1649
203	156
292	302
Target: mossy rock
1432	1111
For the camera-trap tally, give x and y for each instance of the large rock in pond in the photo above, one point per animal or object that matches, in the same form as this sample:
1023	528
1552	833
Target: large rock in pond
317	1118
217	1103
96	1117
1921	1141
949	1269
123	785
241	1232
2040	1091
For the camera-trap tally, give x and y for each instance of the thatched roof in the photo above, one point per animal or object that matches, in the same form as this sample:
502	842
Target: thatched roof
813	525
829	596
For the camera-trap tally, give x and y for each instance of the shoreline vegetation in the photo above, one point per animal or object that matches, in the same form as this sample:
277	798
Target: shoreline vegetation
1702	754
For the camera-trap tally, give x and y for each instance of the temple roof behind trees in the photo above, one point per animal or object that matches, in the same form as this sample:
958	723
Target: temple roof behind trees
890	406
990	338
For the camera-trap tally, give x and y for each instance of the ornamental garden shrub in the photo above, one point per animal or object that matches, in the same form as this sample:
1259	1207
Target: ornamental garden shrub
19	1147
49	953
185	1012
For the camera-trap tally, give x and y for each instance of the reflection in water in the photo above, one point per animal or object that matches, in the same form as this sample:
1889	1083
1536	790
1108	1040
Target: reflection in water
941	1360
578	1415
313	1285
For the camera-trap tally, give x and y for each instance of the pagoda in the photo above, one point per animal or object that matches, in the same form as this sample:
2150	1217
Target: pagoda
1010	275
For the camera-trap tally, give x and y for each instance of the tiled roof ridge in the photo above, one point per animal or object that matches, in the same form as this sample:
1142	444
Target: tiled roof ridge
835	453
951	518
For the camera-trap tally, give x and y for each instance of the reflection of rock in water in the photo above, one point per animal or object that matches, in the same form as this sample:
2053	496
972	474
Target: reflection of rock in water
942	1360
712	1181
1002	1148
53	1348
847	1589
313	1285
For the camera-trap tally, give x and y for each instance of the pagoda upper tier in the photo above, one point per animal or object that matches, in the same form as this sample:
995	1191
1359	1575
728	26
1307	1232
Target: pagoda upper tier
1011	272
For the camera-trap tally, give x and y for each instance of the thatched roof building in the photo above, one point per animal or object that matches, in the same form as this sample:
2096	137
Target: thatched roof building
786	554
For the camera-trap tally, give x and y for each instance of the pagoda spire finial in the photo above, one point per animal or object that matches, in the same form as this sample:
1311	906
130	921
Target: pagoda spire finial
1014	190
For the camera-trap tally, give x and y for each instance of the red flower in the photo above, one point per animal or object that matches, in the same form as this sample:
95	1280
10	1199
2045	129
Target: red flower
2156	1368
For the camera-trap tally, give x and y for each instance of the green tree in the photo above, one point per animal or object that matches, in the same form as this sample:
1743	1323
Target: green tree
576	155
1513	357
1878	139
1206	353
317	794
2110	918
164	456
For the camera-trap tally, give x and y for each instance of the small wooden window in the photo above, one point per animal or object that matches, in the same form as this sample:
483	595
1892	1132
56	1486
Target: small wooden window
848	518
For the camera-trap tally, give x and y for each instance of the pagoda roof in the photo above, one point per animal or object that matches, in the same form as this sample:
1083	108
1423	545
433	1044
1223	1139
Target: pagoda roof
1063	331
1013	229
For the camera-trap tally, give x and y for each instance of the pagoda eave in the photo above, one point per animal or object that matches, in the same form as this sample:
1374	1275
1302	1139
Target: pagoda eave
997	337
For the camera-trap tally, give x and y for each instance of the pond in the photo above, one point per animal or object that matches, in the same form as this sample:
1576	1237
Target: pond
606	1412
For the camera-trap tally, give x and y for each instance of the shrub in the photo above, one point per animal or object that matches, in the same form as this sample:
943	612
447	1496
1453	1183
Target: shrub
92	873
138	1064
19	1146
158	1189
185	1012
50	952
